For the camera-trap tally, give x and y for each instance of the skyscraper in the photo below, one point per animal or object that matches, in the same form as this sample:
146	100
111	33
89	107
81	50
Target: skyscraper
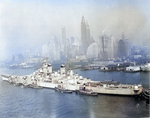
122	47
63	38
54	49
85	36
103	55
112	47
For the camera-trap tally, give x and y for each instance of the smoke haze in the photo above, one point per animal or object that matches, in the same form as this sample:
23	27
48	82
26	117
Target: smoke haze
30	24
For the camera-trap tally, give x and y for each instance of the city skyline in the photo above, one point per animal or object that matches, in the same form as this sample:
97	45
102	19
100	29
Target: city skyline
28	24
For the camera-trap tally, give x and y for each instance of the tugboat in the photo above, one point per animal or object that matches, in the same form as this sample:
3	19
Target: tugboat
87	90
61	89
145	94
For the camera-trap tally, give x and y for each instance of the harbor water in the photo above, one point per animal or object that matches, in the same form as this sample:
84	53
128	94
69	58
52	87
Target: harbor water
19	102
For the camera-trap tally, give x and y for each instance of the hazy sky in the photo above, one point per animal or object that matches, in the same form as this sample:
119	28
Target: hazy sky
27	24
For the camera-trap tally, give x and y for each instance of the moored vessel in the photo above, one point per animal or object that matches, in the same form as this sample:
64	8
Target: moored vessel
45	77
146	67
133	69
62	89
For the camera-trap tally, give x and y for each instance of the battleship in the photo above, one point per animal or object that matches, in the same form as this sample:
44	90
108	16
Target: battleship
45	77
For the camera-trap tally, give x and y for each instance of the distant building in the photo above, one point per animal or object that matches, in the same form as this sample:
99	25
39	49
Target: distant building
63	38
13	59
54	49
20	58
103	55
45	51
112	48
72	40
85	37
93	51
67	48
128	47
123	47
74	47
28	54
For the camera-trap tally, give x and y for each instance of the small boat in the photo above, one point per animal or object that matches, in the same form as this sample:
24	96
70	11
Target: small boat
62	90
87	92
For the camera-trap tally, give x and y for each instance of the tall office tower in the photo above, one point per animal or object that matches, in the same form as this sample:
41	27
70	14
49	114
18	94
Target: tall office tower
103	43
115	47
67	48
85	36
122	47
88	34
63	38
128	47
112	48
103	55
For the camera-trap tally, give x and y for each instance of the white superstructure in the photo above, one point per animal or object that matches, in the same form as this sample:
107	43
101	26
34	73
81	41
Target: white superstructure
146	67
